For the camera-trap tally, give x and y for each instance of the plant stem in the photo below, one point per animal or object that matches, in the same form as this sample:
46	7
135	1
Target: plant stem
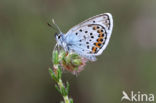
56	74
61	85
66	99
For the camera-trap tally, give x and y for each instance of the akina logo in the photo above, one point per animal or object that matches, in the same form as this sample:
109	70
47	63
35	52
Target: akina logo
137	97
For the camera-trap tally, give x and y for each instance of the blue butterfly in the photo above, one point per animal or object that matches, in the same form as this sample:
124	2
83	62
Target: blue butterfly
89	38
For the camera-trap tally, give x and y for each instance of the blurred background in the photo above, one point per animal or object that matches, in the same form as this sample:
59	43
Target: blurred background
26	43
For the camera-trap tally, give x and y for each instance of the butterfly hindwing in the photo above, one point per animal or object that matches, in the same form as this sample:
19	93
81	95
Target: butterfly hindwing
91	36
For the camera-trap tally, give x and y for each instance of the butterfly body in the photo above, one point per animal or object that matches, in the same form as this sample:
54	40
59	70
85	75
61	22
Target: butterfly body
89	38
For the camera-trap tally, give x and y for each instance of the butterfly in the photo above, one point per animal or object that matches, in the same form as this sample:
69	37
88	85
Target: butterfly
89	38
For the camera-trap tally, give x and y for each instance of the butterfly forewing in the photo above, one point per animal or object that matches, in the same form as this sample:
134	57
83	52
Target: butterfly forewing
104	19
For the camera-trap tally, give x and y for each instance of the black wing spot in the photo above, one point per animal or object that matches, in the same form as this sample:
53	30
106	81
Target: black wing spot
92	36
90	40
86	31
80	40
88	46
100	39
76	33
87	42
91	33
101	35
80	30
93	21
99	44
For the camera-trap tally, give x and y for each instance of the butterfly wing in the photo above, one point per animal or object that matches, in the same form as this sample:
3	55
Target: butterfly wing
91	36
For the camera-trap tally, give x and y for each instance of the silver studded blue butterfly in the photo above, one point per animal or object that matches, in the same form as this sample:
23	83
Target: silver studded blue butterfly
89	38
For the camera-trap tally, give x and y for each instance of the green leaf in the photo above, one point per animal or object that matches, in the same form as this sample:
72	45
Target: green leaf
50	70
67	87
53	74
57	88
63	92
74	56
62	55
59	75
67	59
71	100
76	62
55	57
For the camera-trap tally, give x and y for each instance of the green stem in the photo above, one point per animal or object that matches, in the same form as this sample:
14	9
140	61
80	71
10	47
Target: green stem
56	74
66	99
61	85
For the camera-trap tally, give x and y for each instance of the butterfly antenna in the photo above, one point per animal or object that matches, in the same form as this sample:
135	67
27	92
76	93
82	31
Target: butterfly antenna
53	21
51	26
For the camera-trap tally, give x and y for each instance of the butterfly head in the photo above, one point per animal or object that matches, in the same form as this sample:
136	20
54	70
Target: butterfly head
59	38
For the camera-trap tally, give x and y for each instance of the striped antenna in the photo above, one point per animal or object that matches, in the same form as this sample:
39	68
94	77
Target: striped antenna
53	21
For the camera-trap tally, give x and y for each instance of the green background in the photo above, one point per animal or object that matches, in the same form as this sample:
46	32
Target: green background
26	43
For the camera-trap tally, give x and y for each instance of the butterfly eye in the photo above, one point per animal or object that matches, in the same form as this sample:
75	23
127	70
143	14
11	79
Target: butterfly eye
59	37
